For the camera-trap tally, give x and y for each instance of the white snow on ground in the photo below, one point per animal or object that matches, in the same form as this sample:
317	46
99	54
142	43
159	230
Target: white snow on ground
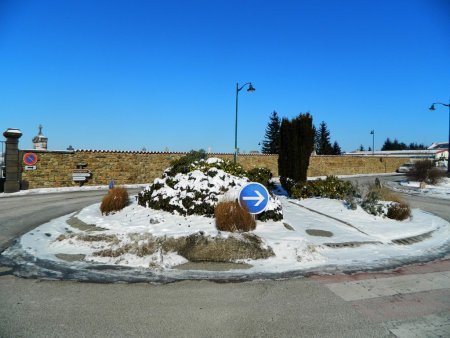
440	190
294	249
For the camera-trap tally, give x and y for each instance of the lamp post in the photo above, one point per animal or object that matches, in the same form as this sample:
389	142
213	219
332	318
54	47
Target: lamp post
448	156
238	89
373	142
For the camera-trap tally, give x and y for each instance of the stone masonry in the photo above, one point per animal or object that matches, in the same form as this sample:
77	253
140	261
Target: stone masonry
54	168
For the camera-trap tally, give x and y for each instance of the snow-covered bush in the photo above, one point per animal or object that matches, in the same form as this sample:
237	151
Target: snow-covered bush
371	204
381	202
260	175
199	190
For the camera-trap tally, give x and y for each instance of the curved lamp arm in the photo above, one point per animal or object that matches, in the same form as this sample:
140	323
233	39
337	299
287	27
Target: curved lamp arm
250	86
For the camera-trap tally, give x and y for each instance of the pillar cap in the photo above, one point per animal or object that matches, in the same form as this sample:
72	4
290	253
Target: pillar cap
12	132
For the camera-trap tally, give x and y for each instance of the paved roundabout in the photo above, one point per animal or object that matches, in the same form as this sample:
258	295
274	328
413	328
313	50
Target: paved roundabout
316	236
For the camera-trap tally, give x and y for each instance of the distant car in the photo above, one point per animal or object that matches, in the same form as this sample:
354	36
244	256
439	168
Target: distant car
405	168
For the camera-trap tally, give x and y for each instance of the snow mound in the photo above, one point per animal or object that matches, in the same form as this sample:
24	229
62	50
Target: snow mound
198	191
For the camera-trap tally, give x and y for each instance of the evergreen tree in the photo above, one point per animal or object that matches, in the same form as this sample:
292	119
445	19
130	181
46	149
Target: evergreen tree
336	149
323	140
396	145
387	144
415	146
361	148
316	139
296	146
283	154
271	143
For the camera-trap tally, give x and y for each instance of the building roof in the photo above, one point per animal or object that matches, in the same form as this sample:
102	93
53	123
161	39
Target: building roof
439	145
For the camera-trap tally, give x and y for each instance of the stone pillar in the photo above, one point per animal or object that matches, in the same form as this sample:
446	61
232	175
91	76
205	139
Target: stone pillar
12	162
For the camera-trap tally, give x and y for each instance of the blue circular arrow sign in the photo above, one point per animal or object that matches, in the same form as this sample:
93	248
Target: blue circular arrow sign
255	197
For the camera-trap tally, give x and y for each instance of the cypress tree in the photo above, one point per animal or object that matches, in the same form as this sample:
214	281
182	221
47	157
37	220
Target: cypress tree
283	156
296	146
271	143
305	146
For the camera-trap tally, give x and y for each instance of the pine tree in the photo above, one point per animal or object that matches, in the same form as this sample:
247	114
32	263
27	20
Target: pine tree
387	145
361	148
323	146
336	148
396	145
416	146
271	143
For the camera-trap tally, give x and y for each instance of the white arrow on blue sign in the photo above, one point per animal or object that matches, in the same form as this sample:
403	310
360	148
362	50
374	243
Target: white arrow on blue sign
255	197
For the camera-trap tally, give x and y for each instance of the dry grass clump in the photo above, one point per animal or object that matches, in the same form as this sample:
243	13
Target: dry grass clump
384	194
98	238
230	216
144	245
436	175
399	211
200	248
115	200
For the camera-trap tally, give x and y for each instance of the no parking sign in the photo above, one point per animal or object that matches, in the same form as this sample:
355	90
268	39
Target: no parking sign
30	158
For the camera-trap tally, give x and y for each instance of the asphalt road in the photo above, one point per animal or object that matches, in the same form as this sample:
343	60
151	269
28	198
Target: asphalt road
409	302
20	214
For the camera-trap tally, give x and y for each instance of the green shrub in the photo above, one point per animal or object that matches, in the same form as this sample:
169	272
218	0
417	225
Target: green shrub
260	175
231	216
271	214
287	183
183	164
370	202
115	200
351	202
331	187
399	211
231	168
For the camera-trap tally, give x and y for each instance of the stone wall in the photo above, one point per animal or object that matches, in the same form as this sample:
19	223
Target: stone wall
54	168
351	165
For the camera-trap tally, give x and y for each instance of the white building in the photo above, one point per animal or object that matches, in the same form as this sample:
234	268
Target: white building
437	152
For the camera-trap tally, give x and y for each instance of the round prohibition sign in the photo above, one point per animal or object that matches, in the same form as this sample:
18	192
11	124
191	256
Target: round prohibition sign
30	158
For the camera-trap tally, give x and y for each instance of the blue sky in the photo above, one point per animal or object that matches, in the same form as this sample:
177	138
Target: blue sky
162	74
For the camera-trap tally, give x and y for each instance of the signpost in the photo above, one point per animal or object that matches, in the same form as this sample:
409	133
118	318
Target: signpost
81	175
30	159
255	197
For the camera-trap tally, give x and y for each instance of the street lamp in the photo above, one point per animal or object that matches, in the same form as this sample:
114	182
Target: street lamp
238	89
448	156
373	142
